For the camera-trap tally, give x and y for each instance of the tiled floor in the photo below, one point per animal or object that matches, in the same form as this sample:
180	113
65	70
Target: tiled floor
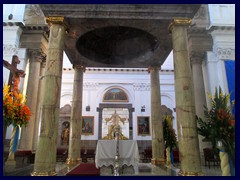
144	169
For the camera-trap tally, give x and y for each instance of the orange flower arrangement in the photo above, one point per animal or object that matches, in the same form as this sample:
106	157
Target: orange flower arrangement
15	111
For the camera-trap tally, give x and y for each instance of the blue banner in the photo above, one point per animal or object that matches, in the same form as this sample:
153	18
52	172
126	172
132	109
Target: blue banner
230	72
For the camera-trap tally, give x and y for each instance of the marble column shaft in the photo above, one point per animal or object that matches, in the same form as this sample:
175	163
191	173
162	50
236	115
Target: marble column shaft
198	84
199	93
156	118
39	100
45	158
76	117
185	104
27	133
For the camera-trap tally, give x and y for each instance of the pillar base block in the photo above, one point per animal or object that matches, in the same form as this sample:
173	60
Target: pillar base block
158	161
51	173
10	165
71	161
168	164
185	173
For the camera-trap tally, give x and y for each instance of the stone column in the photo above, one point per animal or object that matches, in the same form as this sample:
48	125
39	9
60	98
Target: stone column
199	90
185	104
76	117
45	158
27	132
156	118
39	100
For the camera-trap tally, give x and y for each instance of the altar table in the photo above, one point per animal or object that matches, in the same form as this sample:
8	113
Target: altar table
106	152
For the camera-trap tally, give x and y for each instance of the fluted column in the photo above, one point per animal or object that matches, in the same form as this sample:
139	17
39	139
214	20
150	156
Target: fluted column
39	100
199	90
185	104
76	117
156	118
27	133
45	158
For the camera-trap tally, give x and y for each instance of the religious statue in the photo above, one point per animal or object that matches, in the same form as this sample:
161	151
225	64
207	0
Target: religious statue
115	118
65	135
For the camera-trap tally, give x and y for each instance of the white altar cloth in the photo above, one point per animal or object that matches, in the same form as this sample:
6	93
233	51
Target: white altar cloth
106	152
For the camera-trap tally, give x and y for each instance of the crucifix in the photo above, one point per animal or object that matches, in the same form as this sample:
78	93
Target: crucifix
14	78
15	74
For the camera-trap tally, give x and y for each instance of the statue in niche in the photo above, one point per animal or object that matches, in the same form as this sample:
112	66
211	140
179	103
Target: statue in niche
65	135
115	119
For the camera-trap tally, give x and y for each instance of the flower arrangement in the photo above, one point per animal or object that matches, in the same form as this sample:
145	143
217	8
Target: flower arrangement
169	134
15	111
219	123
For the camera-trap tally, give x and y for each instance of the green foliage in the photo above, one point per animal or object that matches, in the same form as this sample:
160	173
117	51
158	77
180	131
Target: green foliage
219	123
169	134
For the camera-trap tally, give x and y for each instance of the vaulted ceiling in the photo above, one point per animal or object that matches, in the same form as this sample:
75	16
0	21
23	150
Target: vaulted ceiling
119	35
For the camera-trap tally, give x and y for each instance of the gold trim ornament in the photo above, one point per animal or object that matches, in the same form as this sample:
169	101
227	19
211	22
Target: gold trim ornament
185	173
179	22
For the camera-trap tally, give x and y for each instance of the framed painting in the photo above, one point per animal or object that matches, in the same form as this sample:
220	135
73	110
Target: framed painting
143	126
87	125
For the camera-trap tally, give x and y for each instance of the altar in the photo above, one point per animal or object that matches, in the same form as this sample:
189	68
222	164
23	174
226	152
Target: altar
106	152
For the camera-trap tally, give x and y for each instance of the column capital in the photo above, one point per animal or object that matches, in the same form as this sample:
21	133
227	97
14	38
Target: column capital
76	66
179	22
36	55
196	57
56	20
150	68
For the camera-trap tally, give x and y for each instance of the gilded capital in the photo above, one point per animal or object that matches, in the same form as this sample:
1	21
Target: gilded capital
179	22
153	68
79	67
56	20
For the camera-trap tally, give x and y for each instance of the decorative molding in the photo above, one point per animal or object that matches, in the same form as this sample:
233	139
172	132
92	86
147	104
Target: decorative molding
225	53
90	86
141	87
11	23
10	49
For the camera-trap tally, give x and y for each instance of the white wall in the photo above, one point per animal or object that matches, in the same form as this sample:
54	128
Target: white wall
135	84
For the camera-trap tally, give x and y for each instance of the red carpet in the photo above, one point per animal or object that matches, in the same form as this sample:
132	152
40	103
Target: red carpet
85	169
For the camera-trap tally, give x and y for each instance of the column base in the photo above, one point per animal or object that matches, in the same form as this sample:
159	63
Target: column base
51	173
158	161
185	173
71	161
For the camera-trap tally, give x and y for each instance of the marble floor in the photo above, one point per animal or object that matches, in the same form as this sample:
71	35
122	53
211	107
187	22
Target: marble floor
144	169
